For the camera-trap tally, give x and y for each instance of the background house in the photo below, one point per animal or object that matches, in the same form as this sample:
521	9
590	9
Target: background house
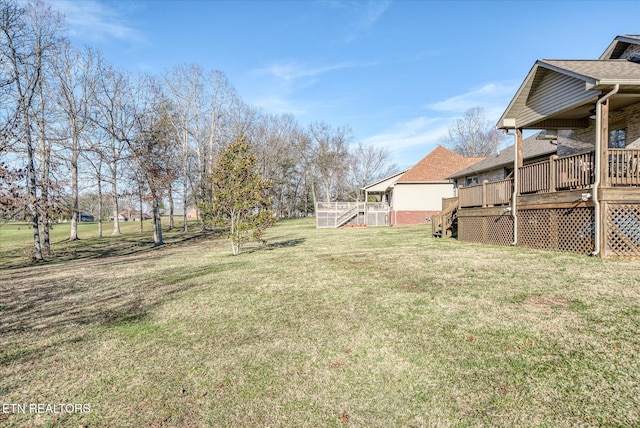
408	197
417	194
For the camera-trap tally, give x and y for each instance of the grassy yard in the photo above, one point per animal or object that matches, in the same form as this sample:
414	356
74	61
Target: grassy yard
349	327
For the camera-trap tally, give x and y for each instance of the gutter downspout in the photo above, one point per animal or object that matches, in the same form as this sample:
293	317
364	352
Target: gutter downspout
596	184
514	196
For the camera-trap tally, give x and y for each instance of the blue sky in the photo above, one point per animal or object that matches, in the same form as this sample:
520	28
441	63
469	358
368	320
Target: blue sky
397	72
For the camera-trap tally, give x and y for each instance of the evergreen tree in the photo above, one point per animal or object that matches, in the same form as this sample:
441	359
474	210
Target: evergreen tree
240	196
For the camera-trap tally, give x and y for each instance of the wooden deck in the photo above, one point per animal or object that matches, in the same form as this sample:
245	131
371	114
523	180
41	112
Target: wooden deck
555	208
338	214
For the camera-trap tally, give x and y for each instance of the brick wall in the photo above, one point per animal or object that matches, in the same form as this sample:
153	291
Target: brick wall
630	115
403	218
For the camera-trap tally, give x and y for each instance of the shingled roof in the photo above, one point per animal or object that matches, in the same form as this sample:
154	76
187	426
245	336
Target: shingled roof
532	147
595	70
437	166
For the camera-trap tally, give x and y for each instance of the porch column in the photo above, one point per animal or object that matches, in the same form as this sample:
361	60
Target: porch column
518	158
604	144
604	173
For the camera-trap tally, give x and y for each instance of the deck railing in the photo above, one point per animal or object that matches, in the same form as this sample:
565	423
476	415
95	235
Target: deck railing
498	192
624	168
535	178
566	173
470	196
492	193
557	174
574	172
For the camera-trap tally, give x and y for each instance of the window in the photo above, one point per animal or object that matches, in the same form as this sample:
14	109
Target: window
617	136
470	181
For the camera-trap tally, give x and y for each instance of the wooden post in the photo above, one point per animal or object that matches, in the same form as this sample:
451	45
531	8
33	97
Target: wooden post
518	155
553	173
604	144
484	193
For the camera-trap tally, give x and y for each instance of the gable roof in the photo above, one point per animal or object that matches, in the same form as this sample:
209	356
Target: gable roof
383	184
436	166
619	45
560	93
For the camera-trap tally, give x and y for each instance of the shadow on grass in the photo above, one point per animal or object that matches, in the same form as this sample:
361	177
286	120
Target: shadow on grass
99	248
42	312
99	283
270	246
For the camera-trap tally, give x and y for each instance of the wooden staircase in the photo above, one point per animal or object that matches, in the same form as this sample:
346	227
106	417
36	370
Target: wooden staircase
347	215
445	224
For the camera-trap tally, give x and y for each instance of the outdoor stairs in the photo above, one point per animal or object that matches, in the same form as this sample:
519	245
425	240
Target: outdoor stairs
445	224
346	216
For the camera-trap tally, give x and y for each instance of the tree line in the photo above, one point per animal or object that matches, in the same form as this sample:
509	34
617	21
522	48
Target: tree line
73	127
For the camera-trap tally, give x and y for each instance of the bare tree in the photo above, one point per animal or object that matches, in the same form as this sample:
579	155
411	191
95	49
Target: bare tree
153	146
28	35
473	135
329	156
76	75
114	116
184	85
369	164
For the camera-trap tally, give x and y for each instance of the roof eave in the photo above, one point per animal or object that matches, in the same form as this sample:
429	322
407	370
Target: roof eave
509	122
608	83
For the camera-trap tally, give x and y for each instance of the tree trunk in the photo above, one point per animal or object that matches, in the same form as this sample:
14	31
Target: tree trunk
157	221
45	168
171	224
100	202
73	235
184	200
116	208
45	219
140	195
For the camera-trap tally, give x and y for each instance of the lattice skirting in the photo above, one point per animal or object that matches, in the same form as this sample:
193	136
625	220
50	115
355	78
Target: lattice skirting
557	229
497	229
622	230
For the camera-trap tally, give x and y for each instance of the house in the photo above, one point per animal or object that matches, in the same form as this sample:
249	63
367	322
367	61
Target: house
417	195
82	216
133	215
585	197
374	212
411	196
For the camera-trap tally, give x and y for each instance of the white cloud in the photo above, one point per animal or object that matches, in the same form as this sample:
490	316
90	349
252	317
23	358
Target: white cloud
367	17
362	15
292	71
493	97
97	21
418	132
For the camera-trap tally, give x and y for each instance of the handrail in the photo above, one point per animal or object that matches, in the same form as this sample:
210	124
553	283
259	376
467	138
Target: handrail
499	192
535	177
470	196
624	166
347	215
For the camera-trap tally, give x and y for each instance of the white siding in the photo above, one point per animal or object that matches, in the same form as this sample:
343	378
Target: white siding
555	93
420	197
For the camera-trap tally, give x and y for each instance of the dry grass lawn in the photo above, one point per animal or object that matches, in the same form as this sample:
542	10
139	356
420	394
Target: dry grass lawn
348	327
